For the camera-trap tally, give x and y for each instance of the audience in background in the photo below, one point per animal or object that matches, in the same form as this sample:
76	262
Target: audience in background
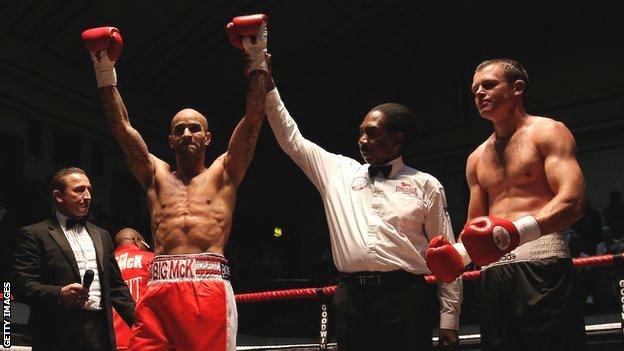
614	214
589	230
609	244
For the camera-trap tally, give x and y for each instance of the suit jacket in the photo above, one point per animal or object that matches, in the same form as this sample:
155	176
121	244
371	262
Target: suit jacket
43	263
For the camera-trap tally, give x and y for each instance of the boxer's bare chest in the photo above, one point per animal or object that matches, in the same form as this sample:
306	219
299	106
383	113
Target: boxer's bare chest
196	198
191	215
508	165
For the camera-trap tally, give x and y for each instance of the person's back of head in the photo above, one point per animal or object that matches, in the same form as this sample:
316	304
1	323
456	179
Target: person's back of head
130	236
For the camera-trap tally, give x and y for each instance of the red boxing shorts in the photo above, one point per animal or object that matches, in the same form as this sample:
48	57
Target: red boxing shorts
188	305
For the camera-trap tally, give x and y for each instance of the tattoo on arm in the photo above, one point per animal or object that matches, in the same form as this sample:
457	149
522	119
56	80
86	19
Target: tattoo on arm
130	141
250	140
243	141
135	152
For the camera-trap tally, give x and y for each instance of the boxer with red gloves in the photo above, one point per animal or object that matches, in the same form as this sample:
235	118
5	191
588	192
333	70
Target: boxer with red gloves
189	271
526	171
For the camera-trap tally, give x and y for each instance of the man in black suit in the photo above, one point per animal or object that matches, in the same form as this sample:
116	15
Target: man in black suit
50	261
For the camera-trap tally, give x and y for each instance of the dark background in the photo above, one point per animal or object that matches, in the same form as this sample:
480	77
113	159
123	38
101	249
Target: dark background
333	61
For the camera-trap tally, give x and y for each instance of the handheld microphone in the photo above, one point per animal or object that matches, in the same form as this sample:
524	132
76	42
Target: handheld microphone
88	279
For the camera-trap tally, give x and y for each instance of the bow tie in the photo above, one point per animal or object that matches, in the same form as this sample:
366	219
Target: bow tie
73	221
373	170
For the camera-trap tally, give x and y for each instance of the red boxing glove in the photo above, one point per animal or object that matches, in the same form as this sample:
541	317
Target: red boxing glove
487	239
101	39
105	45
445	260
249	33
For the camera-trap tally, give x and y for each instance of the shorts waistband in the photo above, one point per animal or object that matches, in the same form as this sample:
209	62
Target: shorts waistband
188	267
552	245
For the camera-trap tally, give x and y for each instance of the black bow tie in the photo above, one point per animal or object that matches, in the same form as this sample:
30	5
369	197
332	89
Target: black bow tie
73	221
373	170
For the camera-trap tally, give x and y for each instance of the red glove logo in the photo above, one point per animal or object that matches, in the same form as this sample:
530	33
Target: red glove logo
501	238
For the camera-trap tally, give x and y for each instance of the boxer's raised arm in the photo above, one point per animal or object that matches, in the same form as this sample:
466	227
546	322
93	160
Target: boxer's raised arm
105	45
243	141
135	150
563	173
318	165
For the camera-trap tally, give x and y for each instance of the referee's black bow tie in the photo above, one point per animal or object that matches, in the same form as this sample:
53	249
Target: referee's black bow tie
373	170
73	221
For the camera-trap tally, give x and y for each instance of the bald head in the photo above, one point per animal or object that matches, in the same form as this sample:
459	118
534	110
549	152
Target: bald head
189	115
128	236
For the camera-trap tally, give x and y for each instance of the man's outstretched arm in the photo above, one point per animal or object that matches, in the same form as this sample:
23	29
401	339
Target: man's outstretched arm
135	151
243	141
249	33
105	46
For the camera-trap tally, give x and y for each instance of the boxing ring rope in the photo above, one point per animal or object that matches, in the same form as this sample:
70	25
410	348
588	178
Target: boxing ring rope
472	339
590	261
465	339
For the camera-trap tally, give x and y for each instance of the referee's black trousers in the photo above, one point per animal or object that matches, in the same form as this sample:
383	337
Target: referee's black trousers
383	311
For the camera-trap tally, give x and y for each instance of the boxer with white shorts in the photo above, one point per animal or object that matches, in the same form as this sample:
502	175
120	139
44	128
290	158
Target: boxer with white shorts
188	305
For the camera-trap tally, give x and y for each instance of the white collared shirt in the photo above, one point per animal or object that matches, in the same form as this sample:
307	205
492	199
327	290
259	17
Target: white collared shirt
84	252
375	224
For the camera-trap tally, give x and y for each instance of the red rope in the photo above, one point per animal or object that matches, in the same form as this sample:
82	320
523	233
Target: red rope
591	261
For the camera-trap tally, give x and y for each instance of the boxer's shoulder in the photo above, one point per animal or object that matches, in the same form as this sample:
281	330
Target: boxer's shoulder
545	132
219	161
162	170
540	126
540	120
217	170
157	162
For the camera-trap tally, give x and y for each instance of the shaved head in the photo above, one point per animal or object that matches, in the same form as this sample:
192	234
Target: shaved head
189	114
127	235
